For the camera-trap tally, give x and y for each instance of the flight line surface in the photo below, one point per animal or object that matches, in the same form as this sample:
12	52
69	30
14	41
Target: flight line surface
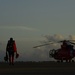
37	68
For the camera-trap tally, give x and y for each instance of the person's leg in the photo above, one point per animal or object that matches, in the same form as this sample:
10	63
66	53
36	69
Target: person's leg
12	58
10	61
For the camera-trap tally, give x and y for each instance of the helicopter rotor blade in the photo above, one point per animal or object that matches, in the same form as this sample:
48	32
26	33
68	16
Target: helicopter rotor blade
72	40
42	45
72	43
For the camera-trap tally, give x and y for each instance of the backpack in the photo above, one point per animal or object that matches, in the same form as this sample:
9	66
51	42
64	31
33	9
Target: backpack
10	46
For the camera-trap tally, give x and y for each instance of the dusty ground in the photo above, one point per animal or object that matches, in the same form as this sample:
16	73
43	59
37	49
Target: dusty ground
38	68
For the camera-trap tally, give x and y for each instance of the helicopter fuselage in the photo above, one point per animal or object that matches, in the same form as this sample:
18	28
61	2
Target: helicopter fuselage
66	52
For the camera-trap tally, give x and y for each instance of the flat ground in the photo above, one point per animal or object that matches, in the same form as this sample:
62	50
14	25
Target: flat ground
38	68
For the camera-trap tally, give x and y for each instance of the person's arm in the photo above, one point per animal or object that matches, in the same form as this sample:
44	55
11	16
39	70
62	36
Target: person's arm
15	48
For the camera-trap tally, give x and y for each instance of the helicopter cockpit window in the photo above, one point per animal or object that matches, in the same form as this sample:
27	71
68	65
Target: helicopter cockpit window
52	51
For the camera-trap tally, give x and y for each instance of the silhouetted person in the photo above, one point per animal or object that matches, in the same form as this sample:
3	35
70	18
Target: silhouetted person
11	50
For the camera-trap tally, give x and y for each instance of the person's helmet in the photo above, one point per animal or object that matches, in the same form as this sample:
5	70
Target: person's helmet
6	58
11	38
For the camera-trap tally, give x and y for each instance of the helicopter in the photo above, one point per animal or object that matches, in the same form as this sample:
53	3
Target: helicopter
66	52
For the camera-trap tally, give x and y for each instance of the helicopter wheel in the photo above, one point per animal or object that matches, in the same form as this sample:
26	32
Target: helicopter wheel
72	60
58	60
66	60
61	60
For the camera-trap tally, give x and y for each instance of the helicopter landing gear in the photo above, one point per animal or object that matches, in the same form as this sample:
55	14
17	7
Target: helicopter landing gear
72	60
66	60
59	60
69	60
